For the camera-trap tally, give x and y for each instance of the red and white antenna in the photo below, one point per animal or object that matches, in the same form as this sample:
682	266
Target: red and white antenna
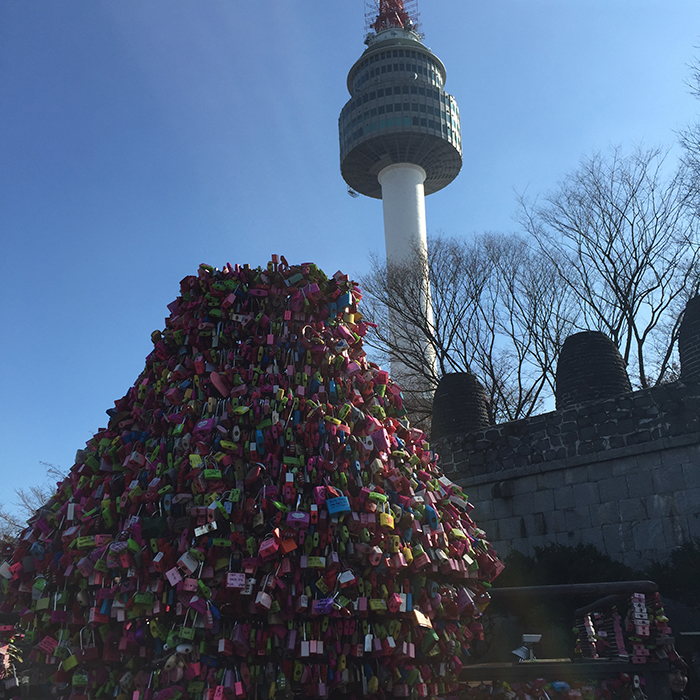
384	14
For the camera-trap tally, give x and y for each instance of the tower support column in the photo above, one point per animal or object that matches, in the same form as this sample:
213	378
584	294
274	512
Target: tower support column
405	232
403	202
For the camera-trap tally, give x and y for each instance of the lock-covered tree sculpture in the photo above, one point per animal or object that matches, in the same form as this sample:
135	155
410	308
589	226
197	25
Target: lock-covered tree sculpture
258	520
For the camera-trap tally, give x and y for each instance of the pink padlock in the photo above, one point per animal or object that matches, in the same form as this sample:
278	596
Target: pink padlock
268	549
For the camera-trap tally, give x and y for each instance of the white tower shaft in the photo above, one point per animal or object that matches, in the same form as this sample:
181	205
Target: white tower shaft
403	201
405	233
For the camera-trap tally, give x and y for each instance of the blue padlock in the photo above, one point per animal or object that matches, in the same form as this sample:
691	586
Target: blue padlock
432	517
338	506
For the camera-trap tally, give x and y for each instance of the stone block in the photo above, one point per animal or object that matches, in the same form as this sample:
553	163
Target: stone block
512	528
564	497
479	494
623	466
522	504
578	518
550	480
693	454
503	508
534	525
693	523
638	437
632	510
483	510
599	471
649	535
556	521
660	505
613	540
675	531
592	535
605	513
649	460
614	489
585	494
675	456
525	484
491	528
639	484
575	475
567	538
668	479
691	474
687	501
542	501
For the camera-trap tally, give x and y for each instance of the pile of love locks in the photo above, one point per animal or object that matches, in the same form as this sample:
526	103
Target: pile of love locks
624	686
258	520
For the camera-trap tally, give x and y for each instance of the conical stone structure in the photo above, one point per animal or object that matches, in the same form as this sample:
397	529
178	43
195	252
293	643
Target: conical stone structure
258	520
590	368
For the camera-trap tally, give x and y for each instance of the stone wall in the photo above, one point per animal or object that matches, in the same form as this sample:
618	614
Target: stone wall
622	473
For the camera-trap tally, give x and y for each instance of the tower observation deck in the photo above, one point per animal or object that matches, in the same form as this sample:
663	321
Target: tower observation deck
399	111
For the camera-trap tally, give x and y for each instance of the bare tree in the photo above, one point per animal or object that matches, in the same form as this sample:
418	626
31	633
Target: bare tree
499	311
623	238
13	520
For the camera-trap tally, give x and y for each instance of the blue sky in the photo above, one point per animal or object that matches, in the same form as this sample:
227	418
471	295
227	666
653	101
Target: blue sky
139	138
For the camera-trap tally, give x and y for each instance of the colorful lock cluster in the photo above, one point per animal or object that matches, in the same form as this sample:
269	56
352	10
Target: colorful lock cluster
623	686
642	636
258	520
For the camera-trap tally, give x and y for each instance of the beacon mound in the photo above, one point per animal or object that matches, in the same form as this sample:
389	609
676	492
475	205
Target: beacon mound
258	519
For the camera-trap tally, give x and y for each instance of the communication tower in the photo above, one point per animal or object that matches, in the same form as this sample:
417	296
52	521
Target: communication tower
400	136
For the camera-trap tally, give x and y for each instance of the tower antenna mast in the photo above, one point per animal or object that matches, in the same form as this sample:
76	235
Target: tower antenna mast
383	14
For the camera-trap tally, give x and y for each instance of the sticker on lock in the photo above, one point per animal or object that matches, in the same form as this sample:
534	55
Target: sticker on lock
338	506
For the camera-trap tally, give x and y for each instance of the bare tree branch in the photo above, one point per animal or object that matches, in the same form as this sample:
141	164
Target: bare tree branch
623	238
499	311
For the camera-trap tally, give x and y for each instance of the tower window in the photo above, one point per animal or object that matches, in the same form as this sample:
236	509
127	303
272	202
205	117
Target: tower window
406	106
414	90
414	107
397	90
397	107
380	109
383	69
388	68
404	89
396	66
416	121
380	92
421	91
424	122
390	108
400	53
372	95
